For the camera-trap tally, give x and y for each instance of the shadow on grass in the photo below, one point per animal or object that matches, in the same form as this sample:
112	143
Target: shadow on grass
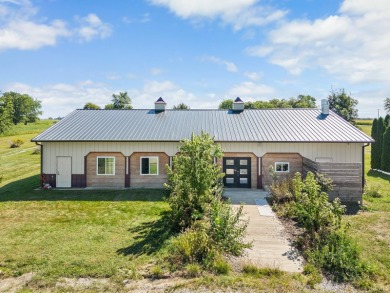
24	190
151	236
376	174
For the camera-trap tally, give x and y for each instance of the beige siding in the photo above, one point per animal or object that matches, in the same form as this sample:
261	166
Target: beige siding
156	181
338	152
117	180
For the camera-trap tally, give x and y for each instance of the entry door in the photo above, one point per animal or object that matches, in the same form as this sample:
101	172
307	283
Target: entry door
237	172
64	172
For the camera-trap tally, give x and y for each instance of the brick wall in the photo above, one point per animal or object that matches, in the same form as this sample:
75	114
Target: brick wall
115	181
148	181
269	159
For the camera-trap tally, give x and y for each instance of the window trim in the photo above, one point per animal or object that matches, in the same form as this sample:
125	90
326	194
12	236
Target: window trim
97	165
148	157
282	163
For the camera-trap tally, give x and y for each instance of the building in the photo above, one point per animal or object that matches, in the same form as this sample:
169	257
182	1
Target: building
130	148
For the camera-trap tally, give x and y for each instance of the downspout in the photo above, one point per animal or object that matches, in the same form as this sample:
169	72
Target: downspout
363	171
41	177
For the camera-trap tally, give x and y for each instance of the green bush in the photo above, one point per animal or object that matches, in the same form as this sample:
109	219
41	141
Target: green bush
193	270
221	267
16	143
313	274
373	191
338	254
157	272
385	159
325	182
281	192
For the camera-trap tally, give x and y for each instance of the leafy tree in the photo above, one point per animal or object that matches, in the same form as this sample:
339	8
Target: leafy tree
344	105
25	108
303	101
385	160
194	180
380	132
120	101
226	104
375	160
91	106
6	110
387	105
181	106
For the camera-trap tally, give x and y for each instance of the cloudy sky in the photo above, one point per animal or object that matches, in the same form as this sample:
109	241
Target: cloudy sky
66	53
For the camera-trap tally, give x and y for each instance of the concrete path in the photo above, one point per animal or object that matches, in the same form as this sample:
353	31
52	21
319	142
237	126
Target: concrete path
270	245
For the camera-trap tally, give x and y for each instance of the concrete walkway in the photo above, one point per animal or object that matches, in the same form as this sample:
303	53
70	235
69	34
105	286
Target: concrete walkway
270	245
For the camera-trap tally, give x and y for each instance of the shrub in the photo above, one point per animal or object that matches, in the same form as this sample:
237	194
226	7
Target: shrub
193	270
157	272
325	182
221	267
16	143
313	274
281	192
194	180
385	159
373	191
338	254
227	229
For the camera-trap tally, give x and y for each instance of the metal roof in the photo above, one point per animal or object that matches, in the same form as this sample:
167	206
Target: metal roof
265	125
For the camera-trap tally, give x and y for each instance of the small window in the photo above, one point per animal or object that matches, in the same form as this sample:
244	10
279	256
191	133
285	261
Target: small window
105	166
149	165
282	167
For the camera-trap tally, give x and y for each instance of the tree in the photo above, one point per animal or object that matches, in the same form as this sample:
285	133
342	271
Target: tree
226	104
344	105
181	106
385	166
387	121
303	101
91	106
387	105
25	108
6	111
120	101
194	180
375	160
380	131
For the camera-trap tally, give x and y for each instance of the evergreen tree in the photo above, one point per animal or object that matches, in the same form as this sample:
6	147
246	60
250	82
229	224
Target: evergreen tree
386	151
375	161
387	120
380	132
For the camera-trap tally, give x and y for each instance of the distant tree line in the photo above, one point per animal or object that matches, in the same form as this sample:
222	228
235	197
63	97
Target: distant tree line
18	108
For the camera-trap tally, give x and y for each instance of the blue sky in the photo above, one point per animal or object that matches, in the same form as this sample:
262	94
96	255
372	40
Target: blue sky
67	53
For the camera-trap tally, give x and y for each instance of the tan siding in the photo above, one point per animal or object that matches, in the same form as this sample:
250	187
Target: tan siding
253	165
117	180
138	180
295	161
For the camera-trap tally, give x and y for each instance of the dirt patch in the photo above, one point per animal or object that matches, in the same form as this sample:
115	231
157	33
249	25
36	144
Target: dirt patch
15	284
83	283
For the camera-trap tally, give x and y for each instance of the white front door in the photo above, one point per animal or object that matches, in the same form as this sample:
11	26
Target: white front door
64	172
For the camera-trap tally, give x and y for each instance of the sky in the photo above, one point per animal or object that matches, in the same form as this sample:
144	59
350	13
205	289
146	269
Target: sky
67	53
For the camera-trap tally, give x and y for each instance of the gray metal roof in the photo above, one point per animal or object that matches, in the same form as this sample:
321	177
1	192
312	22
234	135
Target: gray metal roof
265	125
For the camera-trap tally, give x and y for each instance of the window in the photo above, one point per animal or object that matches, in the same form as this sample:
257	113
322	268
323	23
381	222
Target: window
105	166
149	165
282	167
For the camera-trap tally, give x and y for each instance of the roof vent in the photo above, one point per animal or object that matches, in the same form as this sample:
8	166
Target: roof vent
238	105
159	105
324	107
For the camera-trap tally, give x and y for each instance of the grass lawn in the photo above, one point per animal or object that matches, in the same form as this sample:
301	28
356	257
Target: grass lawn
112	235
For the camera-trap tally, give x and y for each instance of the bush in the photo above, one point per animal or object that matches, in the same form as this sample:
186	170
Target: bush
373	191
325	182
157	272
221	267
193	270
313	274
16	143
281	192
338	254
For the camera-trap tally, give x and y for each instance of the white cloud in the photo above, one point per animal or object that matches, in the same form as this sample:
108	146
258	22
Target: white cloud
352	44
239	13
92	27
113	76
229	66
60	99
249	89
22	29
253	75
